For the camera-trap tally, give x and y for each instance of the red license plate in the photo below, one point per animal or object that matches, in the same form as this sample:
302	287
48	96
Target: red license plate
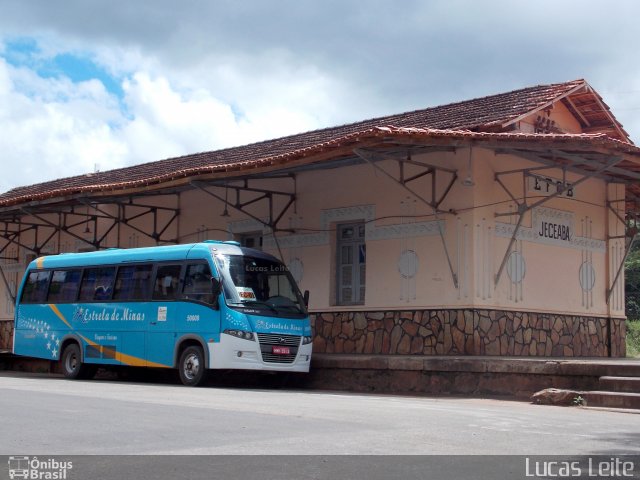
280	350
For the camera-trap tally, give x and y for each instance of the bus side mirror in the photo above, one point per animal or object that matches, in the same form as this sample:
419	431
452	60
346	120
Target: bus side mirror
305	297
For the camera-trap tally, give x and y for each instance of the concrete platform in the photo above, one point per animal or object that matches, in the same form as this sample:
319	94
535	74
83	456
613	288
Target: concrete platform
518	377
469	375
612	399
620	384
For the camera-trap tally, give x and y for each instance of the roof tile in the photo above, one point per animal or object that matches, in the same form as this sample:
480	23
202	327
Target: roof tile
473	115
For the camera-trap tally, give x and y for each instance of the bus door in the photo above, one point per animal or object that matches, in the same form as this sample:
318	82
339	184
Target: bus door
164	312
130	296
200	316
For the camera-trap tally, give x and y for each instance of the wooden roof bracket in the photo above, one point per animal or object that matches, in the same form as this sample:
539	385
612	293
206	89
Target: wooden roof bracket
629	244
122	218
7	287
241	206
10	237
524	208
62	225
48	223
630	236
372	157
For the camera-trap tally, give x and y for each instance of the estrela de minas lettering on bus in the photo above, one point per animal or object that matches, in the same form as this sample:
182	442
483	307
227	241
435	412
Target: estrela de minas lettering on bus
86	315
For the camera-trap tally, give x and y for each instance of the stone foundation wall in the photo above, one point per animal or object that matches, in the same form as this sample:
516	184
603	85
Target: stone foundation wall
468	332
455	332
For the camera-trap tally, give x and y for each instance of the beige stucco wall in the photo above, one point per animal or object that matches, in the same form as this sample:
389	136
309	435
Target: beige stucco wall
551	280
398	222
558	113
551	277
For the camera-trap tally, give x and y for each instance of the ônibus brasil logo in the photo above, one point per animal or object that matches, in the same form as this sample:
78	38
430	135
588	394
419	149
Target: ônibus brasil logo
33	468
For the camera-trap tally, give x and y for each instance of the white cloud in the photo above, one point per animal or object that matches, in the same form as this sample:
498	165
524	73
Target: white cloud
53	128
168	122
218	74
182	115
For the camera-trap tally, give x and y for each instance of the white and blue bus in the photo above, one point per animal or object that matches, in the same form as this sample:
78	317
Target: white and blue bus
209	305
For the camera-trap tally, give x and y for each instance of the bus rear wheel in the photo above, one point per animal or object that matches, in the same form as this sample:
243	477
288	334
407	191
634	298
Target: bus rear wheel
72	366
191	366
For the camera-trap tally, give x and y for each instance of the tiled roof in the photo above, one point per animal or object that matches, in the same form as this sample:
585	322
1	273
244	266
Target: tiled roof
481	114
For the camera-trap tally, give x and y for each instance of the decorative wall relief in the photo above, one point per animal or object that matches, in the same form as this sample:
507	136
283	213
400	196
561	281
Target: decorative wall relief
294	263
551	227
616	257
408	265
408	258
133	240
296	267
586	273
484	263
246	226
366	213
516	270
463	256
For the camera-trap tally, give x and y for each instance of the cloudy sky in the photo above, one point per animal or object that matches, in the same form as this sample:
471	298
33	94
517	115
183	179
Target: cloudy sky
88	84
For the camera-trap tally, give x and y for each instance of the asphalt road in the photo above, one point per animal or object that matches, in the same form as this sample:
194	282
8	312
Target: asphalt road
150	431
47	414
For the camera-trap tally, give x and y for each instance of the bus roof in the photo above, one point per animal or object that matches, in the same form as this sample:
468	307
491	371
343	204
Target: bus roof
146	254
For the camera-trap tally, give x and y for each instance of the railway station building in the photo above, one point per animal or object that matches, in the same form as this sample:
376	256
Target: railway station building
492	226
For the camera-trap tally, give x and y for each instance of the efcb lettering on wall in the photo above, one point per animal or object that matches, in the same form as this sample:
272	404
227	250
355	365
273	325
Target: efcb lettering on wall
539	185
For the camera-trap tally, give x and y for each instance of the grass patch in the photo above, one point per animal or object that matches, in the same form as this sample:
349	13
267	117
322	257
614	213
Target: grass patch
633	338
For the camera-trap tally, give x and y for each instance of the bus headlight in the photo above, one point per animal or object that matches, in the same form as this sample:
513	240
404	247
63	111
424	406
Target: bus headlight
307	339
240	334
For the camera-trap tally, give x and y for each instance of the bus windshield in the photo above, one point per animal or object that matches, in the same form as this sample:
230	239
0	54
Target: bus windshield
260	284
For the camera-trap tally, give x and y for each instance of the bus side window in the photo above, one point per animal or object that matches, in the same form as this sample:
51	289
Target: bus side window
64	286
35	290
197	283
97	284
133	283
166	283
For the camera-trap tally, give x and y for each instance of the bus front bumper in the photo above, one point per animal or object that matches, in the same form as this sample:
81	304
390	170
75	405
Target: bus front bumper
237	353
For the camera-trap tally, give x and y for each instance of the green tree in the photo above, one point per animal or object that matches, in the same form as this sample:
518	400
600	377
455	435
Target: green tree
632	282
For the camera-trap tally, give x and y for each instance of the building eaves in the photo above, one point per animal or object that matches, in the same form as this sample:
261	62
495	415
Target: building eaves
148	176
459	119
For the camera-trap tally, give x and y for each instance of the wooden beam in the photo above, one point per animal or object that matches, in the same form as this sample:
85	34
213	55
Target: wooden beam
605	109
578	112
546	105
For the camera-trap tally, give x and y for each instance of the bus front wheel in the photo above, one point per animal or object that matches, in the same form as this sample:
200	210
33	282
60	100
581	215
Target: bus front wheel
192	366
72	366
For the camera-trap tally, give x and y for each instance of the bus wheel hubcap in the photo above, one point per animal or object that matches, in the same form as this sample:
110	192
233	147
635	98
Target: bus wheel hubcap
71	363
191	366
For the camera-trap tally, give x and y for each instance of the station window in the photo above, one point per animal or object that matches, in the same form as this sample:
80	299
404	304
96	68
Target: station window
351	264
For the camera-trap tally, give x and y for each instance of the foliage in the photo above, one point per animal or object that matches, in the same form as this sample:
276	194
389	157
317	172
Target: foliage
633	338
632	290
632	282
